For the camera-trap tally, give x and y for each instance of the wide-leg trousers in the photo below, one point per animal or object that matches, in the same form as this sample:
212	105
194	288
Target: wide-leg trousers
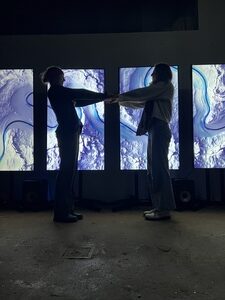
68	144
160	186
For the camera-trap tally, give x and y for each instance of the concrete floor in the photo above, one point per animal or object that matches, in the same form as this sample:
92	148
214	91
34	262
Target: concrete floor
127	257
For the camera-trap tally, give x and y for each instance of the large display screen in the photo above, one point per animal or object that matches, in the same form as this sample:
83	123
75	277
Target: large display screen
133	149
16	120
91	149
208	82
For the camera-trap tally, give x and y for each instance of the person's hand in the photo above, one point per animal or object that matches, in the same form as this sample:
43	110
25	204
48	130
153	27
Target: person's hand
112	99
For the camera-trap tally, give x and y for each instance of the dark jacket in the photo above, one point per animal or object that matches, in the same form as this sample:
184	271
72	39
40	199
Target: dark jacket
62	102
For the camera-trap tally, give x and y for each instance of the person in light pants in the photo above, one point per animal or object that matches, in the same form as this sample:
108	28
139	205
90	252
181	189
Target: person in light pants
157	100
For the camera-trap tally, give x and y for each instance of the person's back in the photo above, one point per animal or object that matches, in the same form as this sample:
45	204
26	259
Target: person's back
63	108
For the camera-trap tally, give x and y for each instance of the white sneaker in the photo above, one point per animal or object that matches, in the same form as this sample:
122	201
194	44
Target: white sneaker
158	215
149	211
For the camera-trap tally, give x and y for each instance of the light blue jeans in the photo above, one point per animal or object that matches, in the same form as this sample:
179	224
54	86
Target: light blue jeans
160	186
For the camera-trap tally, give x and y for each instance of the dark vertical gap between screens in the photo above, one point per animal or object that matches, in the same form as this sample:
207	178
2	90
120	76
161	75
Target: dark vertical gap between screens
40	122
186	120
112	153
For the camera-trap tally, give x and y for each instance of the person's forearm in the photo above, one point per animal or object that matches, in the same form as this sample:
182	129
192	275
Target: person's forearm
81	103
142	95
132	104
89	95
135	98
132	96
86	97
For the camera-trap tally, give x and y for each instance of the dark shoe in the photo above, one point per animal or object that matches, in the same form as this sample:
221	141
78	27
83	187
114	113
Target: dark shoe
78	215
68	219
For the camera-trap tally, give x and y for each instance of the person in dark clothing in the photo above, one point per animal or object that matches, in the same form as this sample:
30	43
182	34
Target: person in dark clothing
63	101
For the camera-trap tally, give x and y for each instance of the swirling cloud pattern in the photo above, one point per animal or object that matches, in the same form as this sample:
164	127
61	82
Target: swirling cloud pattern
16	120
91	154
133	149
209	115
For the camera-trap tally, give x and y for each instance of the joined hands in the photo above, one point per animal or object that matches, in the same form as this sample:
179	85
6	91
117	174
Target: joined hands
111	99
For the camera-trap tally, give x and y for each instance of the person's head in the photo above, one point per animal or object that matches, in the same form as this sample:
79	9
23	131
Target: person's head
162	72
53	75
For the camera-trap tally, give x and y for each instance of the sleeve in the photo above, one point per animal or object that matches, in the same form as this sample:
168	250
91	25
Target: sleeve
84	97
132	104
142	95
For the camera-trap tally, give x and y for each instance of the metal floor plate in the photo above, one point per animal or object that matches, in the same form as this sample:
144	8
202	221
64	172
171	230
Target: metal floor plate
81	252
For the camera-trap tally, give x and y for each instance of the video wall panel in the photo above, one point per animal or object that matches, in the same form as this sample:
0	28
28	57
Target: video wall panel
16	120
208	82
91	154
133	149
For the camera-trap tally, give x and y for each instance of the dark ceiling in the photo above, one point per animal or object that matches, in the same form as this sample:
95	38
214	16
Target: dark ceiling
74	17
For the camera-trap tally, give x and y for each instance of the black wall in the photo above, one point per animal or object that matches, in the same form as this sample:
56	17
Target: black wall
85	17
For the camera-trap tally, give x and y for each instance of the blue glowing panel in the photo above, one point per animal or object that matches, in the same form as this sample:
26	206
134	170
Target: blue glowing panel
16	120
133	149
209	115
91	154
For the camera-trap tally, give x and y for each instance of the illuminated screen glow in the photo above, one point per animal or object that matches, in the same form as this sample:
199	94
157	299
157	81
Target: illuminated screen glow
16	120
91	148
133	149
208	82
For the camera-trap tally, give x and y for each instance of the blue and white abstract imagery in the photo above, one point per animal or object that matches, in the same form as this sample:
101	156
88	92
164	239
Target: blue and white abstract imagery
133	149
208	83
16	120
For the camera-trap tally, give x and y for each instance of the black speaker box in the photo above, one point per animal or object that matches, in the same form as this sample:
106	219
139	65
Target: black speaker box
184	192
34	195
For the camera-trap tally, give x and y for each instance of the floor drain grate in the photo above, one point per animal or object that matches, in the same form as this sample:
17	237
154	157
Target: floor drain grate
81	252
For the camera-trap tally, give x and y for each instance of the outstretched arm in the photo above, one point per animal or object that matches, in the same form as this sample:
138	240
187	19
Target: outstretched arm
83	97
139	97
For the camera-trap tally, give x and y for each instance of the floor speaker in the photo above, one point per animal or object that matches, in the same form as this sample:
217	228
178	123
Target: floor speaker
184	192
34	195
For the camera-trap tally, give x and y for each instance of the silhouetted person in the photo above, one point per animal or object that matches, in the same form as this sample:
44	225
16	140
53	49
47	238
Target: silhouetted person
63	100
156	99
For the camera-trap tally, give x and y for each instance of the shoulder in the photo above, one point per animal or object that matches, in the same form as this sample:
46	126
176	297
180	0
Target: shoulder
55	91
54	88
59	89
165	85
158	85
